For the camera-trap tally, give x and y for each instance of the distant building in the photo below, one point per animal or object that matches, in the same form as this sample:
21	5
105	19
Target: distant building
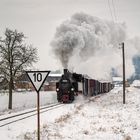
50	84
117	81
23	82
53	77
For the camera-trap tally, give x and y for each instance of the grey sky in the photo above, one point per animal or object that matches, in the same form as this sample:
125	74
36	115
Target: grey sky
38	19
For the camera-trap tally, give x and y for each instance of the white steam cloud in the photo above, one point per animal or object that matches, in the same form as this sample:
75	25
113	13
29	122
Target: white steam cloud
89	45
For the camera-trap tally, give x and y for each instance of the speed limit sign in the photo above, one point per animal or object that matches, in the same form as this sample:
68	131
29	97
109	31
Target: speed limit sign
37	78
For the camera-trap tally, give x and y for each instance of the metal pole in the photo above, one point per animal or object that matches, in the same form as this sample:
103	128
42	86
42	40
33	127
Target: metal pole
38	115
123	55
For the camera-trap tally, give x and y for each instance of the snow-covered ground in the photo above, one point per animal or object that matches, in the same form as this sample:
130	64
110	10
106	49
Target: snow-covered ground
26	100
104	118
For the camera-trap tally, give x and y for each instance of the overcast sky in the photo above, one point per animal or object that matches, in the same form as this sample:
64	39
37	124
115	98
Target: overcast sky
38	19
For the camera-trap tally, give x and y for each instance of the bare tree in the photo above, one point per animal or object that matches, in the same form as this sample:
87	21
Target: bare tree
15	56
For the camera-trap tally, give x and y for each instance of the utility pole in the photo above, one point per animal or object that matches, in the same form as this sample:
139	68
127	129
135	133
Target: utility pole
123	56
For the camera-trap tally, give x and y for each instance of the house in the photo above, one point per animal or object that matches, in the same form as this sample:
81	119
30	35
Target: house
50	84
23	82
117	81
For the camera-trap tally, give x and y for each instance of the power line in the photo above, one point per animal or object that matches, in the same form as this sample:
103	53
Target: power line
113	4
110	10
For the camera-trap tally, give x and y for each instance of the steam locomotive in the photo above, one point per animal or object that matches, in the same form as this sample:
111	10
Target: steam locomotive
67	87
71	84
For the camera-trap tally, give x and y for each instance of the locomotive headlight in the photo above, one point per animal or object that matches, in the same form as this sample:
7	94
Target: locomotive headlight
57	89
72	89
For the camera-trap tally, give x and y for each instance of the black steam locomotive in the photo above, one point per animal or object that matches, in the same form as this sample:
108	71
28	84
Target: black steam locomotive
68	86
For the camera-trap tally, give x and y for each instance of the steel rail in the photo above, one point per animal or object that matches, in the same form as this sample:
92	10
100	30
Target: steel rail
20	114
47	109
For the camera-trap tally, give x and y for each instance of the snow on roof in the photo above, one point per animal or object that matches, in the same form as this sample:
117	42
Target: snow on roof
117	78
86	76
104	81
55	74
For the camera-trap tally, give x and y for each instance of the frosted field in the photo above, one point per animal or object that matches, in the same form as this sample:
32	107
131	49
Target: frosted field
104	118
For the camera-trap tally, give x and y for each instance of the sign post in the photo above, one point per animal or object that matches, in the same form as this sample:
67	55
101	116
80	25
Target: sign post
37	79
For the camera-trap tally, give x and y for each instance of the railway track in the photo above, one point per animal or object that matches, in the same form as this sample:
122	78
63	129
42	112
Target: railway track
21	116
24	115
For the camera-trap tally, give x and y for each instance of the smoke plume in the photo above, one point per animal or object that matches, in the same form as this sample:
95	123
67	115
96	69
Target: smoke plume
89	45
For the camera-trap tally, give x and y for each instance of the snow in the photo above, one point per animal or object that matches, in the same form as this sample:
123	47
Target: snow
136	83
117	79
55	74
95	118
25	100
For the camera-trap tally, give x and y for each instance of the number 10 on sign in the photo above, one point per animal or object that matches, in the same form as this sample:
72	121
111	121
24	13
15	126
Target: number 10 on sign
37	77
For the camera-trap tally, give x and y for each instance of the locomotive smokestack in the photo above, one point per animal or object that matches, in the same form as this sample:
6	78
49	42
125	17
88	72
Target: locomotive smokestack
65	71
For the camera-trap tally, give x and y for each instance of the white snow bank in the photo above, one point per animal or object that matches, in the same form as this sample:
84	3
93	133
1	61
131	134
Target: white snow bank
136	83
104	118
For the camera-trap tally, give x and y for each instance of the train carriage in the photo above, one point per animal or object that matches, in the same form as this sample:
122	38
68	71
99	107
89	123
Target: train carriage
91	87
